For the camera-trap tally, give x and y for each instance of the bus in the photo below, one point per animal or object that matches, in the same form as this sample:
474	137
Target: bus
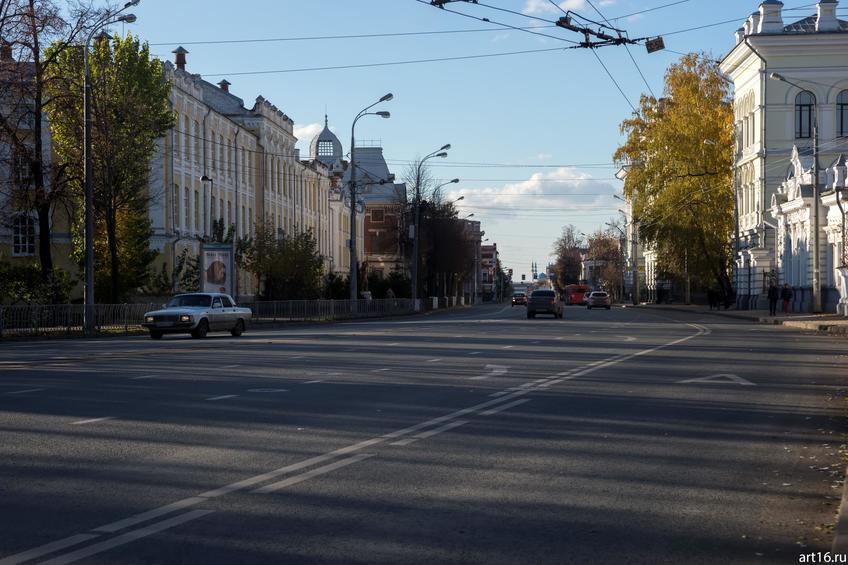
576	293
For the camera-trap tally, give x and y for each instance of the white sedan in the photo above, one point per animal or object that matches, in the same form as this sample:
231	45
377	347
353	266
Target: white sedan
198	314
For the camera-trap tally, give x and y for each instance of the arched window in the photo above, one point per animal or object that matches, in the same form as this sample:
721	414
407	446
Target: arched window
842	114
805	104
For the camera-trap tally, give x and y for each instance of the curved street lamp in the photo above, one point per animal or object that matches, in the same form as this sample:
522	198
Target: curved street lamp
354	264
108	18
441	152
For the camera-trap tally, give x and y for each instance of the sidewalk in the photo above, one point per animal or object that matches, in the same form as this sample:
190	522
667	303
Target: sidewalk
824	323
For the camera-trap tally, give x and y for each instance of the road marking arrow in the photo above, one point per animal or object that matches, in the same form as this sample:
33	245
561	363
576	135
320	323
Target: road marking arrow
494	371
720	378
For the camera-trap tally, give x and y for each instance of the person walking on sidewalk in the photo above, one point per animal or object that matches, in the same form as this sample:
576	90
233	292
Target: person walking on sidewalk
786	295
773	295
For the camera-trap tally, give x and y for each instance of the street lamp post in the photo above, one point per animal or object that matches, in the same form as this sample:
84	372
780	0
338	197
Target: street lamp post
354	264
441	152
817	297
107	19
622	244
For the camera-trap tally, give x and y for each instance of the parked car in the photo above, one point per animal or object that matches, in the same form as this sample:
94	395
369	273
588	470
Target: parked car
544	301
519	298
598	299
198	314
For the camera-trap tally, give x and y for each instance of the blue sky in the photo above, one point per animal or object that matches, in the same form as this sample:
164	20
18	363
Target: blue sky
552	116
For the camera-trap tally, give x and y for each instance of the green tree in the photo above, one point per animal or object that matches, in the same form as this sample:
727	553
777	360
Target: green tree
130	111
288	268
680	155
568	259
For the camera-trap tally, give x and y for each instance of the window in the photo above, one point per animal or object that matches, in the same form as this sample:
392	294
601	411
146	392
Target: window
229	214
176	205
177	135
227	302
197	142
196	211
221	209
804	106
186	208
842	114
187	134
325	148
377	216
23	235
213	152
22	171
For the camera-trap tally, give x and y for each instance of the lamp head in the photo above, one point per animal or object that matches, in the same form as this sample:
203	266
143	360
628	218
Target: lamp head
384	114
456	181
128	18
131	3
443	154
205	178
387	97
445	147
460	198
777	76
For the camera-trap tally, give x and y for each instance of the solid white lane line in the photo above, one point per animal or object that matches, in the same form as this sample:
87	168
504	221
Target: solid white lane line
507	347
313	473
474	353
222	397
145	516
311	382
230	366
143	377
92	420
25	391
41	550
393	344
127	538
441	429
507	406
434	360
381	370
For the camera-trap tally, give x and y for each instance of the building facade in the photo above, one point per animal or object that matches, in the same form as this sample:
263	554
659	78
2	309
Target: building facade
791	110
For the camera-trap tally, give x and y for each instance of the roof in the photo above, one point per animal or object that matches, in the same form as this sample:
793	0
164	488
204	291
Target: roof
326	136
808	25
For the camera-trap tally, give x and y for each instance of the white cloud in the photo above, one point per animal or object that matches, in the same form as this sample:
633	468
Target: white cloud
565	189
305	133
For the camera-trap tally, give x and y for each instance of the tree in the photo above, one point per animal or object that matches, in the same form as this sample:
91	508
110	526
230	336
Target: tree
130	111
568	259
679	151
605	247
288	268
26	73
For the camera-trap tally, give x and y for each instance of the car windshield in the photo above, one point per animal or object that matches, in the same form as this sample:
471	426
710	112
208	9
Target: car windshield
544	293
599	294
518	294
190	300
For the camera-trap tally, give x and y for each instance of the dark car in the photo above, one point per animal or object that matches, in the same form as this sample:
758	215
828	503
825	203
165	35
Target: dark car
598	299
519	298
544	301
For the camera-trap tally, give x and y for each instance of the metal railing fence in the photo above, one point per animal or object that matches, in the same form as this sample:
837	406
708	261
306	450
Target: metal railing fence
67	319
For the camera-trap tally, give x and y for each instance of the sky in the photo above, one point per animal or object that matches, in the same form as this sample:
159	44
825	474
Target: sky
532	129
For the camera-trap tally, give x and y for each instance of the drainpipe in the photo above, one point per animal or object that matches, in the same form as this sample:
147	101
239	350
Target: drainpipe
238	213
207	214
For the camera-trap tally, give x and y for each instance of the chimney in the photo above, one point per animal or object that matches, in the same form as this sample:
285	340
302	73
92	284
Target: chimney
180	59
755	22
826	20
6	51
771	19
225	85
740	35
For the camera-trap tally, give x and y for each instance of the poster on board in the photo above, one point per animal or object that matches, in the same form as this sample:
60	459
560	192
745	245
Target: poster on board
216	269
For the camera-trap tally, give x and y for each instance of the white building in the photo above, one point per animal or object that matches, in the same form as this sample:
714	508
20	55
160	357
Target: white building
790	90
253	174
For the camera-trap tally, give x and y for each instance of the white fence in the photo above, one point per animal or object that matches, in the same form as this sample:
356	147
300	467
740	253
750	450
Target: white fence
67	319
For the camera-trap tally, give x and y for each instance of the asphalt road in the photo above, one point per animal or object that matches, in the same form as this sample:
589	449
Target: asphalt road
622	436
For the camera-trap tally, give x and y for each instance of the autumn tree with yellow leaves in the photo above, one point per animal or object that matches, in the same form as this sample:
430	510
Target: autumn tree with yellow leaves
679	155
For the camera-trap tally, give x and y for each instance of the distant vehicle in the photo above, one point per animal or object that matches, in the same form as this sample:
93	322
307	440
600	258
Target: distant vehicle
577	293
544	301
198	314
598	299
519	298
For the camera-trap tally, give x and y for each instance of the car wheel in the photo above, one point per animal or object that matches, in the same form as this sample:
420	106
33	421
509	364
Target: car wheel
608	307
238	330
201	330
588	307
155	335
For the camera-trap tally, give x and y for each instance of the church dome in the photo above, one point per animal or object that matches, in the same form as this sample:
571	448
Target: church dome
325	146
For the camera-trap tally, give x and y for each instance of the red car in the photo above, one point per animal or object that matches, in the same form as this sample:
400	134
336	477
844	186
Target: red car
519	298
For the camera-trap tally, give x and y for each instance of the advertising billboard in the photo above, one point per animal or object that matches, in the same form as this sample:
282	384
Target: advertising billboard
216	269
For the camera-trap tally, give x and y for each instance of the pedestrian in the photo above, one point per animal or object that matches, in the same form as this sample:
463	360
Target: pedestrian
786	296
773	295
